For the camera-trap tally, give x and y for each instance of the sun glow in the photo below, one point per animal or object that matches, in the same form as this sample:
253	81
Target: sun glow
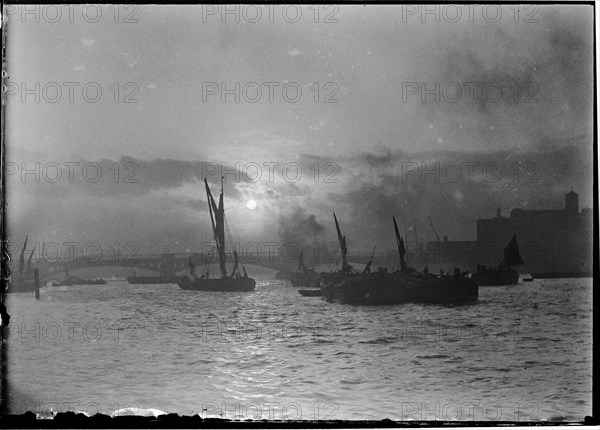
251	204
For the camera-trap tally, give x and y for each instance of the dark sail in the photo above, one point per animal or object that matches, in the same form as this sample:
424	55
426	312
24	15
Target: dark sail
217	218
512	256
220	220
225	283
400	243
342	240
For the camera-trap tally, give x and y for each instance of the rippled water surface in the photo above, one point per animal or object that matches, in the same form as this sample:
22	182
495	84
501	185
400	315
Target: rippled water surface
520	353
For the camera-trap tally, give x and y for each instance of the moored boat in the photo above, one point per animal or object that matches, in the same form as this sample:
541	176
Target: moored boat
555	275
406	285
283	275
306	277
235	281
152	279
75	280
504	274
313	292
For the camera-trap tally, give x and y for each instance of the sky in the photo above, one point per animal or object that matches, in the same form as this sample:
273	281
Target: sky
368	111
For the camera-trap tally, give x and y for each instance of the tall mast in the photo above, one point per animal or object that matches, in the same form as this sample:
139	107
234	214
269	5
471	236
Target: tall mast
342	241
400	244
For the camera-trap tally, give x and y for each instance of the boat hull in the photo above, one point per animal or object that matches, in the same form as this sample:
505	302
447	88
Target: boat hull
494	278
555	275
446	289
152	280
310	293
308	280
71	282
222	284
386	289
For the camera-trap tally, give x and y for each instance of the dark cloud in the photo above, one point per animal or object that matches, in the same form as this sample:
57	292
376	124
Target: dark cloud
299	228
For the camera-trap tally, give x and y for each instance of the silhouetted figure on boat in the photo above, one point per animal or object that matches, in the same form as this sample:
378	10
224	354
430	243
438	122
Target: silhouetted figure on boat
191	266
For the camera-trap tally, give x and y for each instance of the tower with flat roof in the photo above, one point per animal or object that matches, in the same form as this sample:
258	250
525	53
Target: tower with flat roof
572	203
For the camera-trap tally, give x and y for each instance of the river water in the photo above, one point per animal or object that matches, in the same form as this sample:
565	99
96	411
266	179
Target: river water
521	353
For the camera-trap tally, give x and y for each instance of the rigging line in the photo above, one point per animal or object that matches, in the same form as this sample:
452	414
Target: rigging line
228	231
231	244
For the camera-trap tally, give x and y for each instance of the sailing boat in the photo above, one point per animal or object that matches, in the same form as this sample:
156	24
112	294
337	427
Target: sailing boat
504	274
350	286
421	287
227	282
406	285
305	277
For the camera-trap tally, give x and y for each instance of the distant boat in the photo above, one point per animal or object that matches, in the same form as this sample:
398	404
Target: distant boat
406	285
152	279
315	292
227	282
530	279
283	275
75	280
504	274
305	277
555	275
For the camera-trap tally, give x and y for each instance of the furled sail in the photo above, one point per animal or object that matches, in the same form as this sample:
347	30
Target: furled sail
217	218
400	243
342	240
